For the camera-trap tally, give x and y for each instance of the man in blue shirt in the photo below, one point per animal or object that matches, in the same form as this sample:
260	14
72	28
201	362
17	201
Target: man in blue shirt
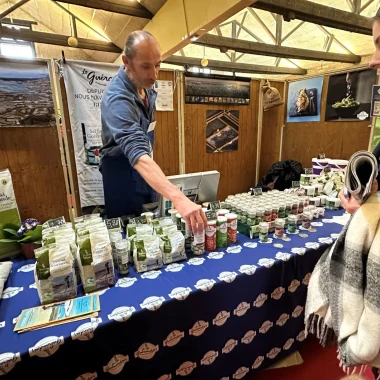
130	176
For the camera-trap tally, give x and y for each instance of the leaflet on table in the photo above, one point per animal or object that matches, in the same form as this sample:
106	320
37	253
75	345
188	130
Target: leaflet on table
60	311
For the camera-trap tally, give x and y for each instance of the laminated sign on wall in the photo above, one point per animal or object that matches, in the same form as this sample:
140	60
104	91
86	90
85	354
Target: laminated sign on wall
85	84
164	100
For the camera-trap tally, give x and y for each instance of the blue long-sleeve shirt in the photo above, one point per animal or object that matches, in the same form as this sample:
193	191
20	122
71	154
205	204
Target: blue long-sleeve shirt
125	120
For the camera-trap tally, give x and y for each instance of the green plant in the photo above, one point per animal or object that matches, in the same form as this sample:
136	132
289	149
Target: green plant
11	236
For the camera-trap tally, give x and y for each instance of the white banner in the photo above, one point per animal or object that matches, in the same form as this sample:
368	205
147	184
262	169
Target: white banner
85	83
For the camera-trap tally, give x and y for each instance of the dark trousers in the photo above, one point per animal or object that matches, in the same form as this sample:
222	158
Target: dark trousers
125	191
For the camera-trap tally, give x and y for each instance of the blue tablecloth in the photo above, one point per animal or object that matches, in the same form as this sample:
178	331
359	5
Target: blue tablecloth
218	316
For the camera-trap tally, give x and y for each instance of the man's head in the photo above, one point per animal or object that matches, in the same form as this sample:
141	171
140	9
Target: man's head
142	58
375	61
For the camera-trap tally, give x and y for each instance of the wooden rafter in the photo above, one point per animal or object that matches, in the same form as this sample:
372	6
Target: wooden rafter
13	8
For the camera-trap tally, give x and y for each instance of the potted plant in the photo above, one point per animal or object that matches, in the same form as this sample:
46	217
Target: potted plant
28	235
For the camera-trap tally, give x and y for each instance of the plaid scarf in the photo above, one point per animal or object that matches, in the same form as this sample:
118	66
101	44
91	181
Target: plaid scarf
343	301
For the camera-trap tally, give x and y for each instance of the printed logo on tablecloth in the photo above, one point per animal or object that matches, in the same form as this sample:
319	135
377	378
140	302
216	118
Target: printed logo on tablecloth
258	362
88	376
273	353
196	261
33	286
125	282
174	268
209	357
101	292
283	256
240	373
15	320
26	268
326	240
301	336
86	330
234	249
165	377
2	324
242	308
267	263
334	236
173	338
311	245
122	313
46	346
199	328
248	337
152	275
215	255
186	368
277	293
229	346
299	251
180	294
306	279
227	277
221	318
265	327
250	245
7	361
294	286
316	224
288	344
146	351
116	364
260	300
297	311
152	303
205	284
11	292
248	269
282	319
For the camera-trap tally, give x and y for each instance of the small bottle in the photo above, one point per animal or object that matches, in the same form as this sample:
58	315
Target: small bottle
231	228
306	201
244	215
292	224
238	213
122	254
307	217
268	214
259	216
274	213
288	209
263	232
294	208
114	237
281	211
279	225
198	245
301	205
211	235
178	218
251	219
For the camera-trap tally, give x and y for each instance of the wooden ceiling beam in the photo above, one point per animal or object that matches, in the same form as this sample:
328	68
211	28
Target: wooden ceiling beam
13	8
317	14
234	67
250	47
134	9
58	39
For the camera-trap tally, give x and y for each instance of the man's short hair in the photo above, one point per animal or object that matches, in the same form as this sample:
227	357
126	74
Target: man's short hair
133	38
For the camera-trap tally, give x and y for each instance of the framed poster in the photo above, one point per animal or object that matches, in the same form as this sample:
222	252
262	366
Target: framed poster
304	100
349	95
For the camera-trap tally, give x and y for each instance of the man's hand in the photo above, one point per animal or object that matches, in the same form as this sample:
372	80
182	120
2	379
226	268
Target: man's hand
351	205
192	213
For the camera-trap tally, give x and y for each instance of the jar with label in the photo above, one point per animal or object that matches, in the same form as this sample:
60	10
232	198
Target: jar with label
244	215
172	212
267	214
301	206
251	219
263	231
115	236
281	211
306	201
279	226
223	212
122	254
178	218
307	217
231	228
294	208
292	224
259	216
198	243
221	232
210	238
274	213
288	208
238	213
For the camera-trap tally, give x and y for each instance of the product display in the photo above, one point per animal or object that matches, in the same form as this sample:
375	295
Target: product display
147	254
122	256
173	247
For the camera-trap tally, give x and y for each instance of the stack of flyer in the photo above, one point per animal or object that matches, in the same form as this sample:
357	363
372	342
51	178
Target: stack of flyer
58	313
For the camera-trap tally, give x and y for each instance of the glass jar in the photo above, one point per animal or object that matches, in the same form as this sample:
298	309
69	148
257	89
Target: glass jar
279	226
307	217
263	232
238	213
251	219
300	206
281	211
288	209
292	224
306	201
244	215
259	216
294	208
267	214
274	213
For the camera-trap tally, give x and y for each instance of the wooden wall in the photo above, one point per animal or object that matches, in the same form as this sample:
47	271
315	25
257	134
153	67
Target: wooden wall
273	120
166	139
237	168
33	157
304	141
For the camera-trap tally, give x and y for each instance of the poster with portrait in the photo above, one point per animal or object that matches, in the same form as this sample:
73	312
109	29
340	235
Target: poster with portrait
304	100
349	95
222	131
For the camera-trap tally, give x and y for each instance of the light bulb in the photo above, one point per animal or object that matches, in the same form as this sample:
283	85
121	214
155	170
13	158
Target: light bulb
72	41
204	62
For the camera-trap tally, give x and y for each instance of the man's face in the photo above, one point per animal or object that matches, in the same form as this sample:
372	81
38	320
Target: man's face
144	67
375	62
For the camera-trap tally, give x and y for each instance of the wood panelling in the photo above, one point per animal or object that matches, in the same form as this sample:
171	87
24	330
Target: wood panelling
166	140
237	169
33	157
273	120
338	140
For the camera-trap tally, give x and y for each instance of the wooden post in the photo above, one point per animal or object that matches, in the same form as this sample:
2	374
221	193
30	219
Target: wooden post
259	130
181	120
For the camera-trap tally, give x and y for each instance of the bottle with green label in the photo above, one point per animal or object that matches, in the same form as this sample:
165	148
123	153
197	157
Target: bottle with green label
221	232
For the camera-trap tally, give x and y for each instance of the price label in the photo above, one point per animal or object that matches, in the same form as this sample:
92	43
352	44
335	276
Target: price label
309	171
139	220
211	215
114	223
258	191
56	222
295	184
215	205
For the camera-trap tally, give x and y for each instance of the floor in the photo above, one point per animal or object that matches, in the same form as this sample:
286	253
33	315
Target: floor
319	364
